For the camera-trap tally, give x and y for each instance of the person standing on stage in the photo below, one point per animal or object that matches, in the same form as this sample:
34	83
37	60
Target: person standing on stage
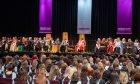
118	46
30	44
130	46
36	44
13	45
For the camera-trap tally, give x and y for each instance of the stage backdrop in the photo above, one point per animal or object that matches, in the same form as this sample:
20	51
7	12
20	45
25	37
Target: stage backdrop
45	17
84	16
124	16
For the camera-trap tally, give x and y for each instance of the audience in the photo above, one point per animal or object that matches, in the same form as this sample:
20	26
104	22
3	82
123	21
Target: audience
107	68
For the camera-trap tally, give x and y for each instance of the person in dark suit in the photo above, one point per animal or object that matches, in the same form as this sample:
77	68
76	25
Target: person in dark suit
130	46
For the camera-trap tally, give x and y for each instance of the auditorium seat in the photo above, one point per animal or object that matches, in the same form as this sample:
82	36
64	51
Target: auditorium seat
6	80
1	82
66	82
54	82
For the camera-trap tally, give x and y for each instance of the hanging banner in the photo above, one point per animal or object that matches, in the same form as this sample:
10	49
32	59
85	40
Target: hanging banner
84	16
124	16
45	17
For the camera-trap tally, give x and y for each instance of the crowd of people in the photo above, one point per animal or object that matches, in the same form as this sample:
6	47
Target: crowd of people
104	45
71	69
117	46
29	44
119	68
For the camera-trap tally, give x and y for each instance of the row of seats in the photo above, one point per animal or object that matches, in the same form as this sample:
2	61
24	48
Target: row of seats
9	81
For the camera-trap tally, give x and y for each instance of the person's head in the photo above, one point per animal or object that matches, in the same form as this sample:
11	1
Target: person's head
10	67
136	76
40	39
116	61
41	70
84	71
103	39
130	66
75	77
22	75
97	60
106	75
129	40
57	39
79	68
34	64
100	67
136	40
30	38
54	71
85	61
118	39
114	78
44	38
48	61
8	59
40	75
123	77
90	59
123	40
63	65
24	65
69	72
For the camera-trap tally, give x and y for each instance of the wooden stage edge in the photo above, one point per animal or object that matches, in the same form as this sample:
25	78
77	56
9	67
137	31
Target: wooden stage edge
4	53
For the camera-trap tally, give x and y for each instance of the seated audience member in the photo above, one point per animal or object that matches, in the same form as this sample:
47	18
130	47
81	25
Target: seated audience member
33	68
85	78
40	77
75	79
54	73
63	68
68	74
114	79
22	77
130	66
9	71
137	77
123	77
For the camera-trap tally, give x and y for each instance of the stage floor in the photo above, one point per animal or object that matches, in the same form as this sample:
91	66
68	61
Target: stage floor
4	53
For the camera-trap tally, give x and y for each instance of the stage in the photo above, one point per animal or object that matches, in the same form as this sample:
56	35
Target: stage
4	53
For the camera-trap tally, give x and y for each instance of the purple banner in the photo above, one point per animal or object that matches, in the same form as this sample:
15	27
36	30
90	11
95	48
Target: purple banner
45	17
124	16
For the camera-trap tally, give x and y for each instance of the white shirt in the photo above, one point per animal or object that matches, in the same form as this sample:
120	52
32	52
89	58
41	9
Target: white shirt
118	44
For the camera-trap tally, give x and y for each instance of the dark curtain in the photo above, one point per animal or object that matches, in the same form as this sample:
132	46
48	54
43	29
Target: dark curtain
21	18
64	18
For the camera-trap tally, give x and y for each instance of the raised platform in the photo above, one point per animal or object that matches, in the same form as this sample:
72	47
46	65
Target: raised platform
4	53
